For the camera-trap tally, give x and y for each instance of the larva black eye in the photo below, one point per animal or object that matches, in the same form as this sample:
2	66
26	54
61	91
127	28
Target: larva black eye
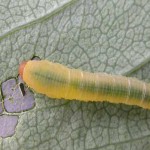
22	90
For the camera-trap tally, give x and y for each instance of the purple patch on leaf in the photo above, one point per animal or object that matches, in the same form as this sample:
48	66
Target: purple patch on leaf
14	98
8	87
7	125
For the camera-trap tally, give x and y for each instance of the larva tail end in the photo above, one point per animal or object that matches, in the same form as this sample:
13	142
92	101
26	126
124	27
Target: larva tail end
21	68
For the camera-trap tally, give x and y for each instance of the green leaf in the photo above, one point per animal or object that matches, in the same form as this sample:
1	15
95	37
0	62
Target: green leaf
94	35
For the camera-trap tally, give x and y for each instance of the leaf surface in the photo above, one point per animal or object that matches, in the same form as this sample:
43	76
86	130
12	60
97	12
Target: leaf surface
93	35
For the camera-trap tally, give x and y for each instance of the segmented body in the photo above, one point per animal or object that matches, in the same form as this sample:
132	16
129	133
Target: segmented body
58	81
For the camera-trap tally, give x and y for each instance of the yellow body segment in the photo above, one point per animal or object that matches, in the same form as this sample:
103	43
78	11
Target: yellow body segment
58	81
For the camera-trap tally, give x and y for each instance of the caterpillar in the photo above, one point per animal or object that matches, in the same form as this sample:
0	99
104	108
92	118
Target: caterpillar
58	81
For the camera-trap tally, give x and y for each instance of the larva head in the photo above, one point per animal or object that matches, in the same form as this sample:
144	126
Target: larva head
21	68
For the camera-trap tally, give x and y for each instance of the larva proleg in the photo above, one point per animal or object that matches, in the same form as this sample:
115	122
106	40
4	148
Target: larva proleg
58	81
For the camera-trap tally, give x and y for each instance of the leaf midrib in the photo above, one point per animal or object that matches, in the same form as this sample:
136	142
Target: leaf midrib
37	20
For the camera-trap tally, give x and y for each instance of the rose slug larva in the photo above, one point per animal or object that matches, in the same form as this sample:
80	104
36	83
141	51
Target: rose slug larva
58	81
